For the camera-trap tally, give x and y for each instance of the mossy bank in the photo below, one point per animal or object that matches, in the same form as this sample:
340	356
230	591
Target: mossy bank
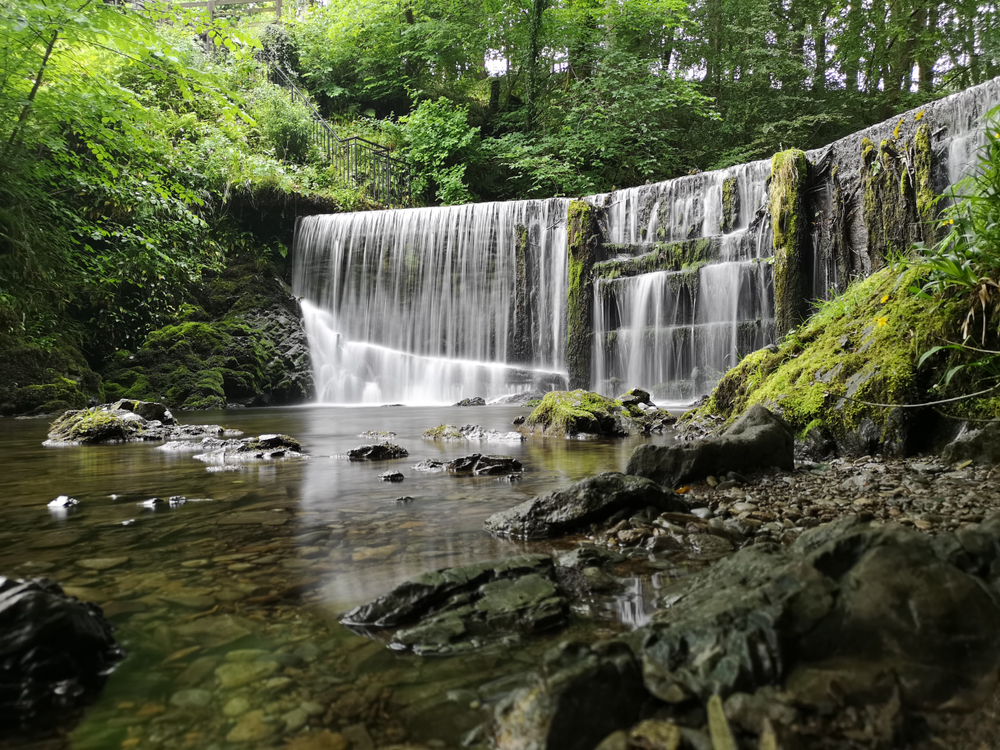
830	377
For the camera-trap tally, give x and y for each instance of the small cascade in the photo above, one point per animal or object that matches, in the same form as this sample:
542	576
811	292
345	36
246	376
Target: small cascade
433	305
674	332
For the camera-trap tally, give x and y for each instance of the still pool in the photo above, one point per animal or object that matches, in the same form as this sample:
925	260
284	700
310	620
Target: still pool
255	566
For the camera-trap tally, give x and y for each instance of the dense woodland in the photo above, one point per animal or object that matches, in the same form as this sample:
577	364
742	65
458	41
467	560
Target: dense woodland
145	149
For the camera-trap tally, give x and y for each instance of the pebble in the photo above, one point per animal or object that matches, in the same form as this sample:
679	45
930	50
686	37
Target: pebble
192	698
102	563
236	706
295	719
251	728
245	673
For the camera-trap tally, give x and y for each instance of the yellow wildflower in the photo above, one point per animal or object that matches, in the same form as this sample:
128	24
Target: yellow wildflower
885	299
882	321
919	116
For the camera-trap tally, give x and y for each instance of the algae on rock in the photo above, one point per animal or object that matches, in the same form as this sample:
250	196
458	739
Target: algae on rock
790	225
584	251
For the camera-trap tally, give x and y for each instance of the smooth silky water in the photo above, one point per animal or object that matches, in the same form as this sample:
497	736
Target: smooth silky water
265	557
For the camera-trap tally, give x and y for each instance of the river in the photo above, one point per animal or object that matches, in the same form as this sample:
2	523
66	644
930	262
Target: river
254	567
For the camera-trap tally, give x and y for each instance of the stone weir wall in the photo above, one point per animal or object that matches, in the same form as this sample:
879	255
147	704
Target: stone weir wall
796	229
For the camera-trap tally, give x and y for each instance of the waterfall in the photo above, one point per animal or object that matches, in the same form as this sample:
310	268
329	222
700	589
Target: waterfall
675	332
431	305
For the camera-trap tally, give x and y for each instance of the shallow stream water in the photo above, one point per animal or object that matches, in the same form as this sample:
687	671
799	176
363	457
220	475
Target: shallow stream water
255	566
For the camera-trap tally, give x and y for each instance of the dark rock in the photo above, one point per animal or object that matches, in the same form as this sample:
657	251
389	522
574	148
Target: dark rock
848	611
480	465
405	499
378	452
391	476
518	420
475	401
592	500
583	695
55	652
459	609
981	445
758	439
635	396
148	410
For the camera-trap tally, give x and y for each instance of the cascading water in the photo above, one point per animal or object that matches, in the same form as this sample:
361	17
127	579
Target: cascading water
432	305
675	332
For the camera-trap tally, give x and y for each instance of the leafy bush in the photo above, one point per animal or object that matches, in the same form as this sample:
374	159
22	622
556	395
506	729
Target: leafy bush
285	126
439	144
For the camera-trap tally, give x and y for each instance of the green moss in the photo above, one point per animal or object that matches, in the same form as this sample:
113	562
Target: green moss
856	346
686	255
91	426
583	248
574	412
789	223
730	204
442	432
926	198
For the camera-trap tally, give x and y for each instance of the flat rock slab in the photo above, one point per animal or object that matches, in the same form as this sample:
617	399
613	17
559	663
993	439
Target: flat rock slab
378	452
459	609
594	500
758	439
248	450
102	563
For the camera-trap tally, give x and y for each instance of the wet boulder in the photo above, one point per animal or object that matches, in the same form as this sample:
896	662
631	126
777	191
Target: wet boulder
379	452
55	652
844	615
585	693
758	439
149	410
981	445
605	498
474	401
481	465
459	609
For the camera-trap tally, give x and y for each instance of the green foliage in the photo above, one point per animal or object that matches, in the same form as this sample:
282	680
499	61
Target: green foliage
966	261
285	126
439	143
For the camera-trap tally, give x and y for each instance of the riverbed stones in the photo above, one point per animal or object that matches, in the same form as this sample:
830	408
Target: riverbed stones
55	652
454	610
758	439
599	499
474	401
480	465
378	452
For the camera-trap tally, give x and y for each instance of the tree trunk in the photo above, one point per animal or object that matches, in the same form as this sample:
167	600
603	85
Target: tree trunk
26	110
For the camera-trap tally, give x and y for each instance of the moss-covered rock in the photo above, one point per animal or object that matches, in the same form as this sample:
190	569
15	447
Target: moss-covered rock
584	413
584	248
790	225
730	203
240	341
860	349
37	379
685	255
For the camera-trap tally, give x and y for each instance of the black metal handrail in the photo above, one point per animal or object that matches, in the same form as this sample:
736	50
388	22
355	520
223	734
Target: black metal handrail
355	159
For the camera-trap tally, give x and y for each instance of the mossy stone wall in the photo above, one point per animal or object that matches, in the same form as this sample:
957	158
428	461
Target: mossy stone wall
790	225
519	347
583	239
